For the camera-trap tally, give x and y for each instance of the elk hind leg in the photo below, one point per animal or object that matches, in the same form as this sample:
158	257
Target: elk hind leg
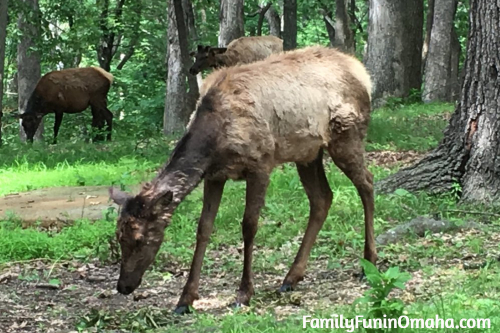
318	191
347	151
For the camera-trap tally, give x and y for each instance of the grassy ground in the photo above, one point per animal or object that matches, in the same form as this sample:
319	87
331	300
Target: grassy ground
439	283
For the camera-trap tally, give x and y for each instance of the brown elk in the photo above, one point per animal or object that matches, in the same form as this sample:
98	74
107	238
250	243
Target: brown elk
69	91
250	119
243	50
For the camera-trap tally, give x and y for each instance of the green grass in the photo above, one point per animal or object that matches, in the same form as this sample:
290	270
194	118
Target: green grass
283	220
416	127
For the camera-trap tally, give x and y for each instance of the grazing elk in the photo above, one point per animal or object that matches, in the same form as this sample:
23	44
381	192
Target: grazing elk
249	119
69	91
243	50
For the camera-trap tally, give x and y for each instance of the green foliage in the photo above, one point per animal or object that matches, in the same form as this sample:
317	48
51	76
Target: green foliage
379	305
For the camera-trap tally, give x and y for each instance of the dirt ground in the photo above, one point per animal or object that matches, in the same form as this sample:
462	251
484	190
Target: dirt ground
56	206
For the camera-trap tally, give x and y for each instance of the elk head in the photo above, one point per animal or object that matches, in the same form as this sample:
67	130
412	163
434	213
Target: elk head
140	231
205	58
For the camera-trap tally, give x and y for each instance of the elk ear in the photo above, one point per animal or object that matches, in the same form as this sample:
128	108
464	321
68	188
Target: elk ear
160	203
119	197
200	47
192	54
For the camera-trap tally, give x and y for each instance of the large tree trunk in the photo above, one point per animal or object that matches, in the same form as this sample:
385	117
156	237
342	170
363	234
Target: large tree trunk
28	59
3	34
344	37
438	84
231	21
290	24
274	21
180	98
394	55
470	151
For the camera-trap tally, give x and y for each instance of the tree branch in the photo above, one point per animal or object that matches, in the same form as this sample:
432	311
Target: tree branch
262	12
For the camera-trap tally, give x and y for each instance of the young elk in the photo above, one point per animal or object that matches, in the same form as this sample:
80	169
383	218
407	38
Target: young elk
69	91
243	50
250	119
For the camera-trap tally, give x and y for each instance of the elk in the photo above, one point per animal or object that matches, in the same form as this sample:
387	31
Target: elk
69	91
249	119
243	50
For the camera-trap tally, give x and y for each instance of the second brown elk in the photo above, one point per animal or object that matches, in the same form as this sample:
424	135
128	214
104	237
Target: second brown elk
249	119
70	90
243	50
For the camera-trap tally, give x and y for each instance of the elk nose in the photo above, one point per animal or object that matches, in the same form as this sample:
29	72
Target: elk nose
124	289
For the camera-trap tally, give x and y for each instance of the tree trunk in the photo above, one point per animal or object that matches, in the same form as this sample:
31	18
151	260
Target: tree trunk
189	19
469	154
394	55
344	37
456	51
274	21
428	29
3	35
179	101
438	81
110	40
290	24
231	21
28	59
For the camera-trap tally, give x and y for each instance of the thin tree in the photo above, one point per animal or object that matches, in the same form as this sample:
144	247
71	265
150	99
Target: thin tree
28	58
442	60
290	24
394	54
179	102
231	21
3	35
468	157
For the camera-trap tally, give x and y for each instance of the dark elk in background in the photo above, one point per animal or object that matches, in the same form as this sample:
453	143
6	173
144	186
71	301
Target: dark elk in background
243	50
70	91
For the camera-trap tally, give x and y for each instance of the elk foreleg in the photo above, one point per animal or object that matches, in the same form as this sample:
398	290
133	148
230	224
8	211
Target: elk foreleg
212	194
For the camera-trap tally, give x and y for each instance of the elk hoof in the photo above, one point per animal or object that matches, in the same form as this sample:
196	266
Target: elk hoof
286	287
182	310
237	305
361	275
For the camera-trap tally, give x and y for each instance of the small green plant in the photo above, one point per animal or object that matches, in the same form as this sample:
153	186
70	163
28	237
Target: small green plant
377	298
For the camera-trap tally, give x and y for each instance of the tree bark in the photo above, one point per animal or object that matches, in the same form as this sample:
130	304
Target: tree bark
394	54
428	29
438	84
231	21
179	101
344	37
469	154
290	24
274	21
28	58
3	35
189	19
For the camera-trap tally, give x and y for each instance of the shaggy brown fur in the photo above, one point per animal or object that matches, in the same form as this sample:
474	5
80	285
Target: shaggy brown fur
243	50
69	91
249	119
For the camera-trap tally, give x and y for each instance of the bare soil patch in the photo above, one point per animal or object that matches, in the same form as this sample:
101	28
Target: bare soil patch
57	206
